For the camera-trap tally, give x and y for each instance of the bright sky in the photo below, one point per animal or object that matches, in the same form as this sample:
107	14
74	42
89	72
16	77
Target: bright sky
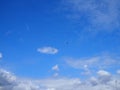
60	38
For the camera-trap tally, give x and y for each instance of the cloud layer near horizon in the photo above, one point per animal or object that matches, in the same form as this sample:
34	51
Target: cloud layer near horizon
104	80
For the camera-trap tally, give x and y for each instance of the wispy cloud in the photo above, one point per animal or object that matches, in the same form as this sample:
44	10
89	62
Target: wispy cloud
93	63
8	81
1	55
99	15
47	50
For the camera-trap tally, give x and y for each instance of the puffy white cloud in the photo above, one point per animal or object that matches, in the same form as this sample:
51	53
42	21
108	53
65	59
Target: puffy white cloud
103	14
55	68
104	76
47	50
6	78
9	82
103	73
1	55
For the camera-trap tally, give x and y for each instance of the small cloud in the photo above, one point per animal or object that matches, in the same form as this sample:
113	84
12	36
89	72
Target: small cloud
87	71
56	74
1	55
55	68
47	50
103	73
118	71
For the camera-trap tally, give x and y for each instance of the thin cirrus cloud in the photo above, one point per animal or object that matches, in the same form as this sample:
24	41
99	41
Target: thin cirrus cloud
93	63
48	50
103	81
99	15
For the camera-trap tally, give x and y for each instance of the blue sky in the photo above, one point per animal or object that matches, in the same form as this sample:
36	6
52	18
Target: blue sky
62	38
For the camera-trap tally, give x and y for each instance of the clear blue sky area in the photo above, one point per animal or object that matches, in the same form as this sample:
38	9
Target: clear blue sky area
77	33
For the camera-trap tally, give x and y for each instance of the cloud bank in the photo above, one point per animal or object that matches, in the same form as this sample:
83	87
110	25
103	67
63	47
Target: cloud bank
104	81
47	50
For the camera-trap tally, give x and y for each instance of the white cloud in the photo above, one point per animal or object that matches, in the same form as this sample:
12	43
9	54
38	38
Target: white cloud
118	71
9	82
26	85
103	14
55	68
82	63
6	77
1	55
61	83
98	62
47	50
93	81
104	76
55	74
86	69
103	73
